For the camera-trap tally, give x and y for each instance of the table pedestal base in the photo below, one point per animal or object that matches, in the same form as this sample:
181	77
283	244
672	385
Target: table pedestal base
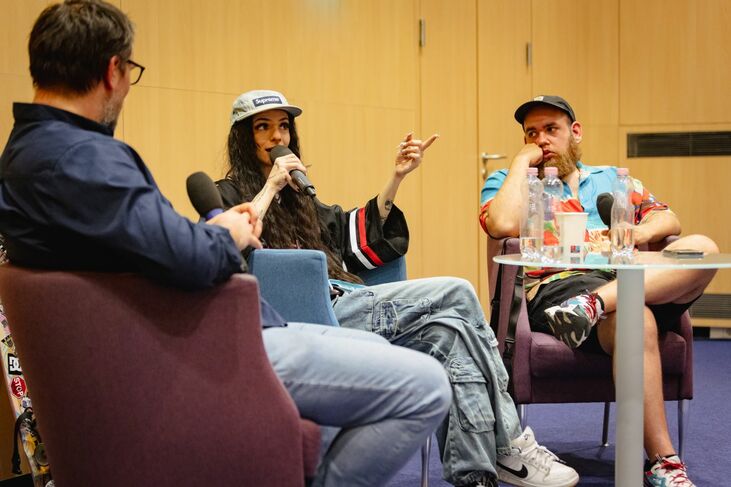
628	363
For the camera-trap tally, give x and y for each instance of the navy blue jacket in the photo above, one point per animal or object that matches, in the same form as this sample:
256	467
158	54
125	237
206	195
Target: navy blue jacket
73	197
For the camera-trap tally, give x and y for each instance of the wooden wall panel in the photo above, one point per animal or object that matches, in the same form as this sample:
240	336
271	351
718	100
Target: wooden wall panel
349	64
505	79
331	137
15	88
575	55
16	21
675	61
345	51
696	188
449	107
351	150
504	82
177	133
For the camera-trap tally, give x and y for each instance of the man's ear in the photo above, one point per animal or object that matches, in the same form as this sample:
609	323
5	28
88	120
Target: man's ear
113	73
577	131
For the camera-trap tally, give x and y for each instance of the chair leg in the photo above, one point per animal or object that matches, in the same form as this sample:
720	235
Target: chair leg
425	451
605	427
683	406
522	416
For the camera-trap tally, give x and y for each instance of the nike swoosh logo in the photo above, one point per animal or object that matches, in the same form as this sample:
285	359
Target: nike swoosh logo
522	473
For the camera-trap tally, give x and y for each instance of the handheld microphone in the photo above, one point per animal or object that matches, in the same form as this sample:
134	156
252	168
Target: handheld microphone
298	176
604	204
204	195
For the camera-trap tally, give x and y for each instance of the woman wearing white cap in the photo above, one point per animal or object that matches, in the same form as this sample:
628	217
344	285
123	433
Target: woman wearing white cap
481	438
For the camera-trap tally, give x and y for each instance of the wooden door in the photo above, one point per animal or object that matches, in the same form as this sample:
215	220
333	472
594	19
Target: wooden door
449	107
504	82
576	55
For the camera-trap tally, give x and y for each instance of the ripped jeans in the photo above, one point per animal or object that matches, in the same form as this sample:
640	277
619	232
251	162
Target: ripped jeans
442	317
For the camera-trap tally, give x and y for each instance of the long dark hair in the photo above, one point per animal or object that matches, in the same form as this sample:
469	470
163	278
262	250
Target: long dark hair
292	222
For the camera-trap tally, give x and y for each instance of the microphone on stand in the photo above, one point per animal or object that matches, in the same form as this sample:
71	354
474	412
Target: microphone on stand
299	178
604	204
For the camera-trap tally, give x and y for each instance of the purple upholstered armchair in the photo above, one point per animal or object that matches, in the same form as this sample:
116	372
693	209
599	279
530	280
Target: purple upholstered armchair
139	384
545	370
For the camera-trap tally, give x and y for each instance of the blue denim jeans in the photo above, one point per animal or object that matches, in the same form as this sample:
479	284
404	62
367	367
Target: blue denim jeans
385	400
442	317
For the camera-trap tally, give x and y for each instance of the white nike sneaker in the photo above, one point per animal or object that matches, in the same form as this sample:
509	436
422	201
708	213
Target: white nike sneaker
533	465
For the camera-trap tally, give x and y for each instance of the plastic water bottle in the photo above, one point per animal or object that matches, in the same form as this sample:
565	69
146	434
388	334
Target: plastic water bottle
552	192
531	223
621	238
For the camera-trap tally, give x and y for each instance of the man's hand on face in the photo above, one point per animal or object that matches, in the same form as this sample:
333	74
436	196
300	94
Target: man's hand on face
531	153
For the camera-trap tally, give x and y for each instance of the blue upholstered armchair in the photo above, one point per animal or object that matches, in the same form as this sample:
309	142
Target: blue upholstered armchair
295	283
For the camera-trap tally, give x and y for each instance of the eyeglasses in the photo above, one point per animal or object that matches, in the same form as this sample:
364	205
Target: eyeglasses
136	71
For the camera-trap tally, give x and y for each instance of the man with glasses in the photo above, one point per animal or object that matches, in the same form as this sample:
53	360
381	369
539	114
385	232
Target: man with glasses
73	197
135	72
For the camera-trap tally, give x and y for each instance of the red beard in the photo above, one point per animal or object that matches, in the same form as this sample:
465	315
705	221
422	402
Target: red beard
565	162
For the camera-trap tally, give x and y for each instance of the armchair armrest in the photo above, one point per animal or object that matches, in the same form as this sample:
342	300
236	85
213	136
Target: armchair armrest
389	272
523	336
295	283
659	245
504	246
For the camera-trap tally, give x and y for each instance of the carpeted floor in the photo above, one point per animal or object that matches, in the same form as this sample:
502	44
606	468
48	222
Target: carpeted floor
573	431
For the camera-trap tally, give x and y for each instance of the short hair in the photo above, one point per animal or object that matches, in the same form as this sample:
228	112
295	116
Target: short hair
72	42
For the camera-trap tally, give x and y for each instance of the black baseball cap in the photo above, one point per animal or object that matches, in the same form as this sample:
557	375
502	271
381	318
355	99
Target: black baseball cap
550	100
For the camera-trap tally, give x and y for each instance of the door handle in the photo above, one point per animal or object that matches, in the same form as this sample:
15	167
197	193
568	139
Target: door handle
487	158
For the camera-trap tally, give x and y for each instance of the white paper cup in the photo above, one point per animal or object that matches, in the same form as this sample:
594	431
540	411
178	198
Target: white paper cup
572	231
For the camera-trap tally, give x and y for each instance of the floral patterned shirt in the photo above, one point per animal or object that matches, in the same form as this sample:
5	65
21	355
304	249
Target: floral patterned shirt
593	181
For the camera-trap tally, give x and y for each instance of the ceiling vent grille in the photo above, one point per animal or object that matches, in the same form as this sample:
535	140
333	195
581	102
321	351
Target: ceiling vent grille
679	144
712	306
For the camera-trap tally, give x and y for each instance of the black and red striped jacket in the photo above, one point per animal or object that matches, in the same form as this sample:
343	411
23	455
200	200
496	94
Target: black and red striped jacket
357	236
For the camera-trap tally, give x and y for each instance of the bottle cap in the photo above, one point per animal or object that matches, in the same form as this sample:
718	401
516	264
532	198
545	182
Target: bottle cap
532	171
622	171
550	171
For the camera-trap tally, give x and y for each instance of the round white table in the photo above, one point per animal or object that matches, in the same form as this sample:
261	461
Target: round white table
628	468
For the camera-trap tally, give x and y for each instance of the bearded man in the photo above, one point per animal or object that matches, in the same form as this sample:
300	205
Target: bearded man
579	307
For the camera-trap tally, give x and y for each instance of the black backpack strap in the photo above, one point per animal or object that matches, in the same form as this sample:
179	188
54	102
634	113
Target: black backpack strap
515	301
495	303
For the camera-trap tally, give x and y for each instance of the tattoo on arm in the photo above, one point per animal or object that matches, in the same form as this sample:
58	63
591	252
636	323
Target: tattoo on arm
388	204
259	205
